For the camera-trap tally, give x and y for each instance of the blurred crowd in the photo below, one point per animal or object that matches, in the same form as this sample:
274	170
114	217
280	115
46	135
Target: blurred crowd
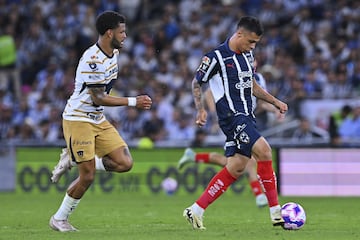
310	50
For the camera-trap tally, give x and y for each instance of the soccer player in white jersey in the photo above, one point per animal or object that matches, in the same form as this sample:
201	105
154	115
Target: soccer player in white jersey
92	142
229	71
190	156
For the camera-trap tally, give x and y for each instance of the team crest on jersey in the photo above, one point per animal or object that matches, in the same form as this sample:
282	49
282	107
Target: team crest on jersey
205	63
244	138
92	65
80	153
240	135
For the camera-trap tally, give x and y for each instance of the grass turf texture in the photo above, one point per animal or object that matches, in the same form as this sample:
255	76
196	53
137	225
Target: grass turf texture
158	216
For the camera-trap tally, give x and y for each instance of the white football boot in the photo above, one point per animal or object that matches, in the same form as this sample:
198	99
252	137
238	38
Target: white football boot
63	165
61	225
275	215
193	219
261	200
188	157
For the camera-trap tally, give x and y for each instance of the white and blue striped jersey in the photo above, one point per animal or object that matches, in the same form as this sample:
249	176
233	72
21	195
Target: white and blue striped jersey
230	76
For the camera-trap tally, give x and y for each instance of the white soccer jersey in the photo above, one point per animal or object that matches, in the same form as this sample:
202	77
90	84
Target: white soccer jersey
95	69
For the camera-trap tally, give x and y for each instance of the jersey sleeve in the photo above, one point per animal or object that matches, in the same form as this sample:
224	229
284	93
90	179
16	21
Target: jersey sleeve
207	69
92	70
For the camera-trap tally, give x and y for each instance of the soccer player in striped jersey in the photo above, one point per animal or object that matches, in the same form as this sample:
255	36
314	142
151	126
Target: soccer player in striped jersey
190	156
229	71
92	142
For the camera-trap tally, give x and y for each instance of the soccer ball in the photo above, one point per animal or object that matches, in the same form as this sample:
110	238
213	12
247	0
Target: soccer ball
169	185
293	215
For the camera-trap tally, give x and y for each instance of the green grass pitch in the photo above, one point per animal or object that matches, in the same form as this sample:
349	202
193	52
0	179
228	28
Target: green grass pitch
158	216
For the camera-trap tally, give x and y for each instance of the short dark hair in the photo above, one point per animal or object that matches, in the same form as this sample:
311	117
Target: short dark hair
346	109
251	24
108	20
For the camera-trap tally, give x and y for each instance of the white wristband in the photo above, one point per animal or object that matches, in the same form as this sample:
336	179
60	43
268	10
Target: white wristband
132	101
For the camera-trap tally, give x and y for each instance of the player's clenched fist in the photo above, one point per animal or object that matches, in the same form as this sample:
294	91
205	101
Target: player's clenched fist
143	102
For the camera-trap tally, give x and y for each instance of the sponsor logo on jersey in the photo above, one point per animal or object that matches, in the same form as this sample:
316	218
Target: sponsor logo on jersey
241	85
205	63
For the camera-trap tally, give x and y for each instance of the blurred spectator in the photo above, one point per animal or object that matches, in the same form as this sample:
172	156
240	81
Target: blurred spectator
5	98
39	112
50	77
304	133
355	79
20	114
33	52
50	129
26	132
199	139
131	123
343	87
132	8
6	129
349	129
170	25
312	86
163	105
294	47
153	127
181	127
9	74
148	61
335	121
330	88
291	90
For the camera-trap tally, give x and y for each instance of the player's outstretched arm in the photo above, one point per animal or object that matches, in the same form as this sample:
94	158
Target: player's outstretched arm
99	97
201	115
260	93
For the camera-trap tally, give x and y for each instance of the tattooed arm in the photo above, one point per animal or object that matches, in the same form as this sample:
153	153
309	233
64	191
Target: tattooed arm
199	105
100	98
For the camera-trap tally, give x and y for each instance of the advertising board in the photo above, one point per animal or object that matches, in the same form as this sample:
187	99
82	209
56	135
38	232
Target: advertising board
34	166
319	172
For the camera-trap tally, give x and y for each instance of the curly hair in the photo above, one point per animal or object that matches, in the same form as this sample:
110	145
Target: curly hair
108	20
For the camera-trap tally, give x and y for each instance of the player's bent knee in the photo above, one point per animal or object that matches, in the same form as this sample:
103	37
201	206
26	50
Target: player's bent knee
87	178
264	155
123	165
128	164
